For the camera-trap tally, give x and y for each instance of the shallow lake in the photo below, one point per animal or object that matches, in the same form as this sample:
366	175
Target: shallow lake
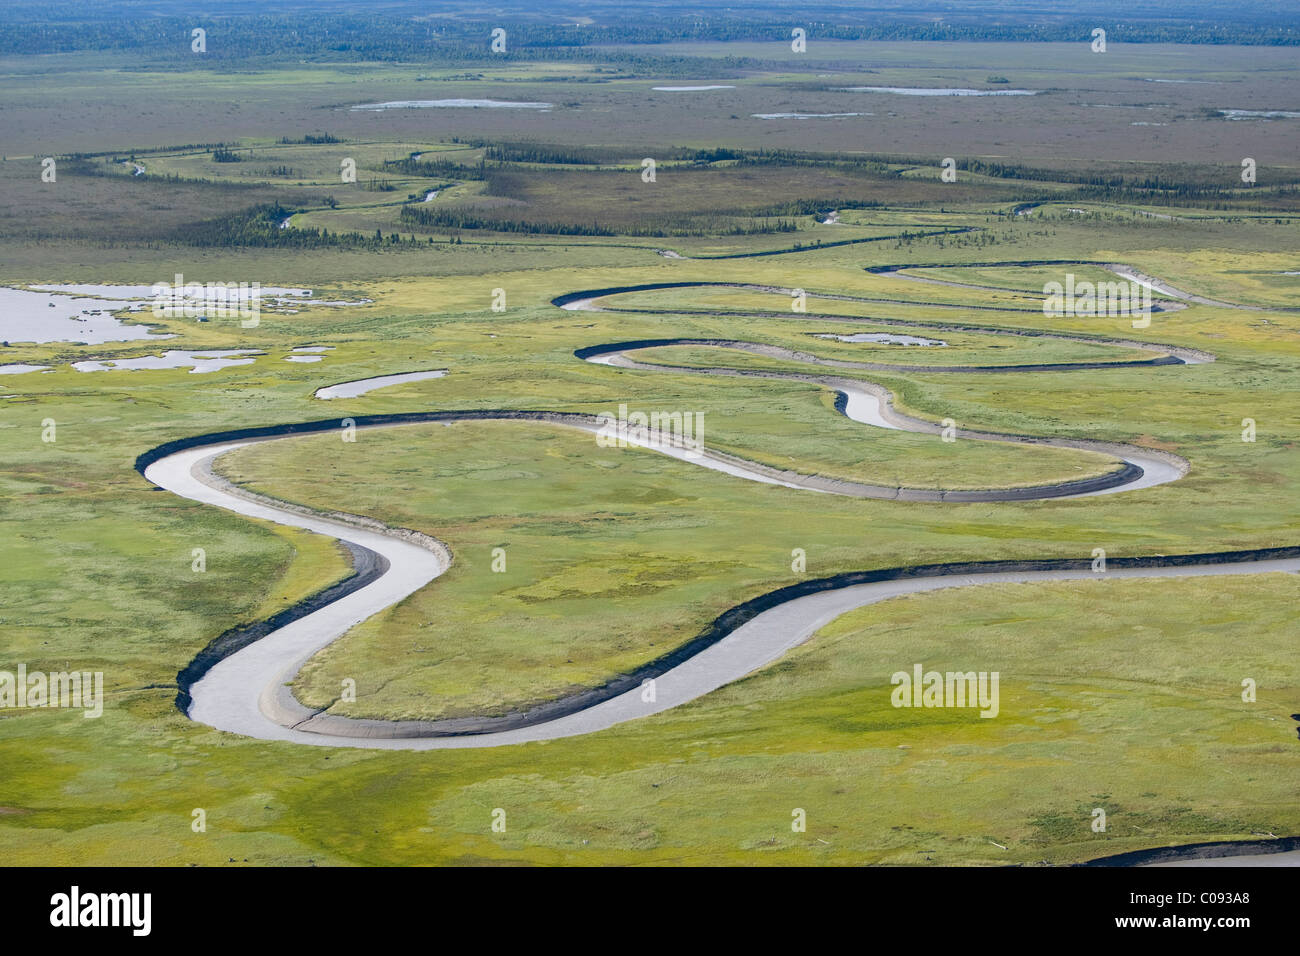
35	316
199	361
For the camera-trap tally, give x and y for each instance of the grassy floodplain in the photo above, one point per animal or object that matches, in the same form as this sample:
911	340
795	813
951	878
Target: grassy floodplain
1122	694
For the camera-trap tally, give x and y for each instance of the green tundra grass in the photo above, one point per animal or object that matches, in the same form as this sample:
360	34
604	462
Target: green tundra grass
613	556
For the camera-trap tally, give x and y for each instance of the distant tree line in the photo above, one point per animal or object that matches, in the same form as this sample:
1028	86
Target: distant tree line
310	139
259	227
550	154
1200	185
436	168
720	224
34	28
133	151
